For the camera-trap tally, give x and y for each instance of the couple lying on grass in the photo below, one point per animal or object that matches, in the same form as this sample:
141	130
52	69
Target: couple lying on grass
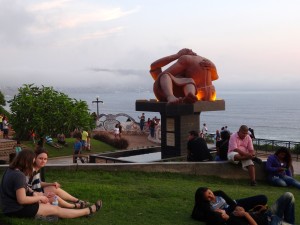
216	208
19	200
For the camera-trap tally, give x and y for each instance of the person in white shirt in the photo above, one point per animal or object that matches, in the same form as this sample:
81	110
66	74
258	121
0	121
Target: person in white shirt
204	130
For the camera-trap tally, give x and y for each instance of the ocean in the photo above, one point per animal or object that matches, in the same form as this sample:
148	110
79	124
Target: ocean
272	114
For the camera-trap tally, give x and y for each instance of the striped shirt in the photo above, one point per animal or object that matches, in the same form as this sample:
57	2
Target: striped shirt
35	182
219	204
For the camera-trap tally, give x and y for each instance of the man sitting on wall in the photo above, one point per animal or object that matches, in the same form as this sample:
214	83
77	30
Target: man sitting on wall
241	149
197	148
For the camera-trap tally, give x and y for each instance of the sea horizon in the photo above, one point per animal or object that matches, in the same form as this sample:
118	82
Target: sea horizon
272	114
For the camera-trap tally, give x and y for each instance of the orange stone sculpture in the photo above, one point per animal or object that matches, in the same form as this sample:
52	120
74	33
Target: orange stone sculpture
188	80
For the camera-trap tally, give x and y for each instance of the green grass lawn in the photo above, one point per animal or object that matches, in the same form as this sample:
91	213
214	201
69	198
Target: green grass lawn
135	198
96	147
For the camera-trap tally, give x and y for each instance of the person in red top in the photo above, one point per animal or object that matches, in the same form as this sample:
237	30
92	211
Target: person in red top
241	149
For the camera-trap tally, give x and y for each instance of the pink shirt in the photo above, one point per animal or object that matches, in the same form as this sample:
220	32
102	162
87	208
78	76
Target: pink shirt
235	142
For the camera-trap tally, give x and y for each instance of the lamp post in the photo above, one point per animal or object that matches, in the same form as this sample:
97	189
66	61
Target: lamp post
97	102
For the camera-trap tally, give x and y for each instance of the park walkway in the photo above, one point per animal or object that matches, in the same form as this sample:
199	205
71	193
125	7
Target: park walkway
140	141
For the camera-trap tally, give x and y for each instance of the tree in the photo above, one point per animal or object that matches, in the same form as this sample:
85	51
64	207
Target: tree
2	99
47	112
2	103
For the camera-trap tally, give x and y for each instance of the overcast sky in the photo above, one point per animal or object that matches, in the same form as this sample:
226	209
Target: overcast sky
92	43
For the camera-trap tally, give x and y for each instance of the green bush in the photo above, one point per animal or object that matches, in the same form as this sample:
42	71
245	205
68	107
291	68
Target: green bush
121	143
77	134
102	137
118	143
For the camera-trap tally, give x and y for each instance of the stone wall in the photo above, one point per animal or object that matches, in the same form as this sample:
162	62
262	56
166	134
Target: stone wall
219	169
6	148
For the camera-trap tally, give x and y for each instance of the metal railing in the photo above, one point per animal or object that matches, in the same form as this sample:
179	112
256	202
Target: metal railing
270	146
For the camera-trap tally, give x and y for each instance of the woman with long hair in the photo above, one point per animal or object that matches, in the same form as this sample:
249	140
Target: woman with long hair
215	207
19	201
280	169
222	146
51	189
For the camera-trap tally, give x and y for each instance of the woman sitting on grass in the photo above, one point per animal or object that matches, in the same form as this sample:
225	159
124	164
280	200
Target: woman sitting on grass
61	139
280	169
18	200
51	189
215	207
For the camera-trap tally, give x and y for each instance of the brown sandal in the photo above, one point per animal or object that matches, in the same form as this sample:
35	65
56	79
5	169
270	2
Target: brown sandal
79	205
98	205
82	203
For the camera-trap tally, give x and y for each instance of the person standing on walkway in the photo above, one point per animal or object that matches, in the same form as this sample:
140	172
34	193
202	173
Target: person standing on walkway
5	127
241	149
117	131
1	123
77	150
251	133
152	127
204	130
88	142
142	121
84	136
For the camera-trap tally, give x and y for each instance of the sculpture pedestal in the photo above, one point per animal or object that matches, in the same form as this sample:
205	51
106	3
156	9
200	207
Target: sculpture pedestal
176	121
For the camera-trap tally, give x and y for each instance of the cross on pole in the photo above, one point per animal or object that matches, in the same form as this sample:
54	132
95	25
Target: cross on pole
97	102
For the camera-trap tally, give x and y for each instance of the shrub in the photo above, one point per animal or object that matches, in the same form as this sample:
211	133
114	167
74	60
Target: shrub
121	143
102	137
77	134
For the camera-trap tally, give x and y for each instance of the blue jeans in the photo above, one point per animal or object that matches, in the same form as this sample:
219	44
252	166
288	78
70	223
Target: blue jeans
283	210
152	129
76	152
141	126
284	181
251	202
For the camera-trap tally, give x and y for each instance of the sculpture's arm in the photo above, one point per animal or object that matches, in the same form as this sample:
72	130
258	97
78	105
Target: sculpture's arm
155	67
214	74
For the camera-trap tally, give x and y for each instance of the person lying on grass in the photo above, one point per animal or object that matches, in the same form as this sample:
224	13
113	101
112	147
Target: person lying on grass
51	189
281	212
18	201
214	207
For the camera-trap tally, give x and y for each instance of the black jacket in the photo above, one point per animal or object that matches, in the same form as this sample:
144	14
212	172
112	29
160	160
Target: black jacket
198	151
202	210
